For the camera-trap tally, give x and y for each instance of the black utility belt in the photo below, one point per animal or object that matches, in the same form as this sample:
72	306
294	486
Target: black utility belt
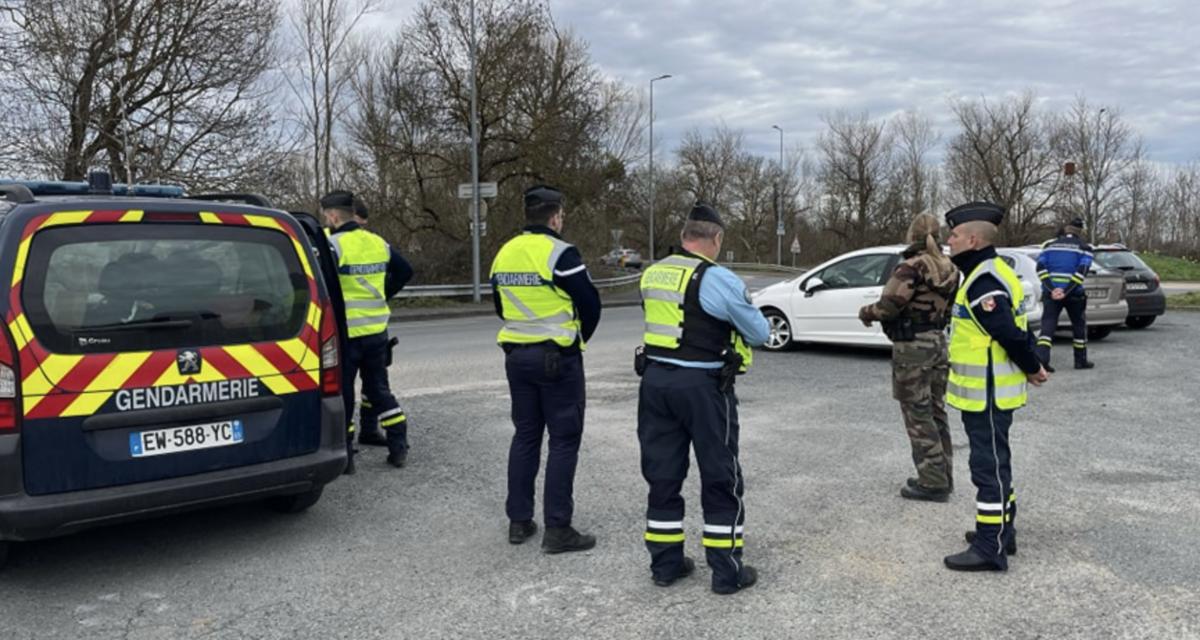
922	328
510	347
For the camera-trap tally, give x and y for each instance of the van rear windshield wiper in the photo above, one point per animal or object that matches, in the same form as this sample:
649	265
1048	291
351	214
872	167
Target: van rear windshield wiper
153	323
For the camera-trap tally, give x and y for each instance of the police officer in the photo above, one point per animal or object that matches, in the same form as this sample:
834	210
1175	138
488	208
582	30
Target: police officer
370	272
914	310
369	432
544	295
699	321
1062	267
991	360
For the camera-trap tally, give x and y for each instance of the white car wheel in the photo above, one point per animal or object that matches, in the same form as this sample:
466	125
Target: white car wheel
780	338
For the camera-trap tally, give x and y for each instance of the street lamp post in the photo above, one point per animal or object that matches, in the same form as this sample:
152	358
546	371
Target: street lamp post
652	81
475	296
779	201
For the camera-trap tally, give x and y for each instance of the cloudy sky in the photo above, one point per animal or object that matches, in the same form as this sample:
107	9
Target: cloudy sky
756	63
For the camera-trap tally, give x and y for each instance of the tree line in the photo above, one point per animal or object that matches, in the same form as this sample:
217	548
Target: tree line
292	98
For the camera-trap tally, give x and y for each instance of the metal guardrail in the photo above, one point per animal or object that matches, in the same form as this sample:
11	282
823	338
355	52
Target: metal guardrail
451	290
758	266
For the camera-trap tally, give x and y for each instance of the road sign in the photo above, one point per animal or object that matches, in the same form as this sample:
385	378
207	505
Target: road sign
486	190
796	245
779	228
728	256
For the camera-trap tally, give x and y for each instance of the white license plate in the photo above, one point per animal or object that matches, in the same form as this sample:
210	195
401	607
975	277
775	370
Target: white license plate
1137	286
201	436
1098	293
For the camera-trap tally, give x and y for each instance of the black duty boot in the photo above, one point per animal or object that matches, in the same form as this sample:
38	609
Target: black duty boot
689	566
398	458
912	482
1047	367
519	532
746	579
566	539
919	492
1086	364
969	560
374	438
349	470
1010	548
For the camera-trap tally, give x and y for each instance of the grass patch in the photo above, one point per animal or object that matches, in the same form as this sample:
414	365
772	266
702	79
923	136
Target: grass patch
434	302
1172	269
1190	300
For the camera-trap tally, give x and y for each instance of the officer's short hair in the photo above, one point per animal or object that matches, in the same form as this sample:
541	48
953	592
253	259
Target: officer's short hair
700	230
986	231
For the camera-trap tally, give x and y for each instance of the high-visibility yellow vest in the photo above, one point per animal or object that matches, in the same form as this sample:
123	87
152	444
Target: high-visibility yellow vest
362	271
676	326
534	309
974	353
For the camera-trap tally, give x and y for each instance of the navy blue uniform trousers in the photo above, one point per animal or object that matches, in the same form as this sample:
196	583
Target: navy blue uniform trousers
545	399
991	472
678	408
1076	307
369	355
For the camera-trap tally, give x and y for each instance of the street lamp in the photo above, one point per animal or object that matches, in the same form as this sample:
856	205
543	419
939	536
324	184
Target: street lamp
475	279
779	201
652	81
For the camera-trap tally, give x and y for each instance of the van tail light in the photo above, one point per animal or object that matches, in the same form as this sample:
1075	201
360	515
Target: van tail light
9	420
331	370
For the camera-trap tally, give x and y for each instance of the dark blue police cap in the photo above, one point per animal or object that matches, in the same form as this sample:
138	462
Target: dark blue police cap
339	199
705	213
541	195
973	211
1077	222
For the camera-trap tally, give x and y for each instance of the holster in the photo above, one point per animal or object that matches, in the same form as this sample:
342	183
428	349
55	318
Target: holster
729	370
391	345
639	360
899	330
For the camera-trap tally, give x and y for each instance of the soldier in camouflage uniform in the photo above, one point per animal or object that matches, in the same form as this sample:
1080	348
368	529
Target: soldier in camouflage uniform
914	310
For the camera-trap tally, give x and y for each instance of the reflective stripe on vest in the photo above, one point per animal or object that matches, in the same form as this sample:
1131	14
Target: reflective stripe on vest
664	287
362	272
974	355
534	309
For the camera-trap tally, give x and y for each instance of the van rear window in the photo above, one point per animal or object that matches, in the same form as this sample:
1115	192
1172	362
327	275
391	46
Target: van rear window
145	286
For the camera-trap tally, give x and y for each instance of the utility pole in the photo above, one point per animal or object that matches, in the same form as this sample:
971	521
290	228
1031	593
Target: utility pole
779	201
652	81
474	168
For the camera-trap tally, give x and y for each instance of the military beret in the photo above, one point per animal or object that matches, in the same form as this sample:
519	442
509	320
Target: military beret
542	195
973	211
705	213
360	208
339	199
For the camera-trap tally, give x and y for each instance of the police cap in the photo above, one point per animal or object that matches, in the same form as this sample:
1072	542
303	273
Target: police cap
539	196
360	208
975	211
339	199
703	212
1077	222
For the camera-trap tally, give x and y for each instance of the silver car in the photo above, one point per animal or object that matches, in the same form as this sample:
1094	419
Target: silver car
1106	304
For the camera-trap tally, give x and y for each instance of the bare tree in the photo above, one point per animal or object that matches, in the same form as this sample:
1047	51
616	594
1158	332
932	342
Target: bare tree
916	176
1103	147
322	31
856	165
1005	153
140	84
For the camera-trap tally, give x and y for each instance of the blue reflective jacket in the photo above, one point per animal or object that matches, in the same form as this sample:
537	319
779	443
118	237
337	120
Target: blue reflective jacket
1064	263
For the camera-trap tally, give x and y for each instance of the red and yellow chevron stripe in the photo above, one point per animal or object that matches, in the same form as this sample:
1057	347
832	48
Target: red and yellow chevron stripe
56	385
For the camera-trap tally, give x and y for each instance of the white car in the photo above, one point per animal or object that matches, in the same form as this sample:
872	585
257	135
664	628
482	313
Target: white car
821	306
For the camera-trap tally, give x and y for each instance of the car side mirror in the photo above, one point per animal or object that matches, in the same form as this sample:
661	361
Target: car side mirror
813	285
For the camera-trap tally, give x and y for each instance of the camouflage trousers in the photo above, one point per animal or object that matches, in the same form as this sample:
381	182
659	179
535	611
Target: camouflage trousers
919	372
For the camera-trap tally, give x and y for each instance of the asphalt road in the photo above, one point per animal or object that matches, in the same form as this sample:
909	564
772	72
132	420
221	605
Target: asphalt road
1104	464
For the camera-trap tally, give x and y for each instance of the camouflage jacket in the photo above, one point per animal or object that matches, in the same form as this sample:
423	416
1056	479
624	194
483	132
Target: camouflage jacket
921	287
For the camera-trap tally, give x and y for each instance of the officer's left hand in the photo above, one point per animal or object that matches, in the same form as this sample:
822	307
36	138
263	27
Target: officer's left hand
864	316
1058	294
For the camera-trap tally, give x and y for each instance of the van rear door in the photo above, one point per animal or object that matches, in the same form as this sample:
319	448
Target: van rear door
162	344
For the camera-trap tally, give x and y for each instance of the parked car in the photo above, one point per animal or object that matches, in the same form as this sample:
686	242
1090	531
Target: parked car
1143	288
821	306
622	258
161	354
1106	305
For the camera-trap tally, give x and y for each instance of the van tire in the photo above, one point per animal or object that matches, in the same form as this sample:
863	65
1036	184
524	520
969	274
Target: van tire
296	502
